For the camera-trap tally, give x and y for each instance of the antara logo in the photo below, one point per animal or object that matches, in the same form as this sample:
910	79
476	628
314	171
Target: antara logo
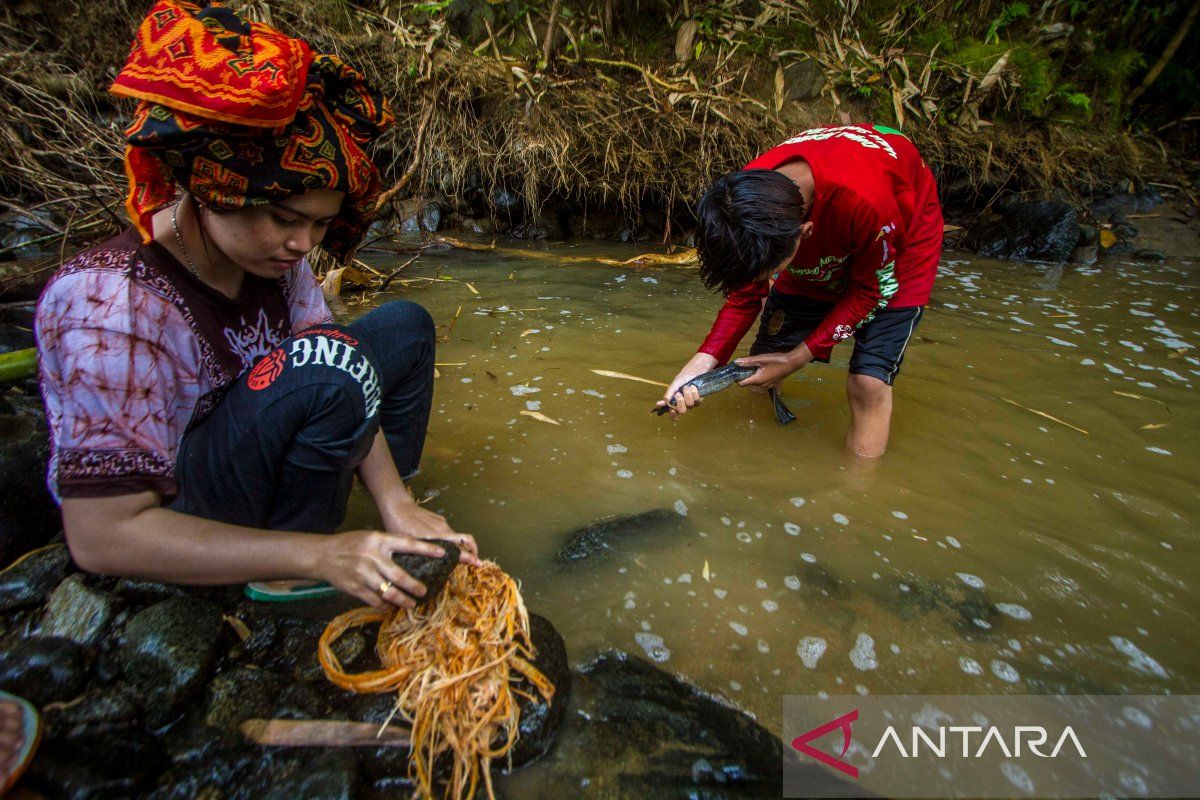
940	744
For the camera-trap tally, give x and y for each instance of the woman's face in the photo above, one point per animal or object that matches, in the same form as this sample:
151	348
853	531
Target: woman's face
268	240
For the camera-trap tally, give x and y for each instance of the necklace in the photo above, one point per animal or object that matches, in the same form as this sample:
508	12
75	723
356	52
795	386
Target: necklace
179	239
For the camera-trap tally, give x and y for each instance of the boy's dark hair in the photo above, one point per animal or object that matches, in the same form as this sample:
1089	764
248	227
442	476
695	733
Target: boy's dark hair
748	222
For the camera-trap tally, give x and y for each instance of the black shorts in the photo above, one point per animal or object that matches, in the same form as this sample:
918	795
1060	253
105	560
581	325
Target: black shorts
879	345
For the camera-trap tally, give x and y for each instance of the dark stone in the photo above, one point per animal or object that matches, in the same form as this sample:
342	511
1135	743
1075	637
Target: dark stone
545	224
44	670
598	538
419	215
301	701
803	80
1148	254
635	731
146	592
169	652
95	768
1125	231
329	775
469	18
1126	202
238	695
1039	231
541	721
29	517
97	714
77	612
29	582
18	232
16	337
1088	235
432	572
596	225
912	596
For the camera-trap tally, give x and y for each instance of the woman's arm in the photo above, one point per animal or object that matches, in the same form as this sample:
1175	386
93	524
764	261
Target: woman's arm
134	535
400	513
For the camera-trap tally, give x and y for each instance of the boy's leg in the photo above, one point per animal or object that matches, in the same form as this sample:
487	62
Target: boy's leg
878	353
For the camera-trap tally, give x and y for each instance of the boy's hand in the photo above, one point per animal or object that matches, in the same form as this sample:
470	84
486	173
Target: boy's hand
688	398
773	368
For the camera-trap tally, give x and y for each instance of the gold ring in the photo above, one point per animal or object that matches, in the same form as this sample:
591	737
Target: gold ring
383	587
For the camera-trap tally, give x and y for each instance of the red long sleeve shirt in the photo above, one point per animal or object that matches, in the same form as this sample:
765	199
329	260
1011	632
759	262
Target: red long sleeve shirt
877	235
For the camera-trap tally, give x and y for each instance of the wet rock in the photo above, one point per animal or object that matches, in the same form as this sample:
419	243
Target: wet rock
541	721
912	596
417	216
238	695
545	224
469	18
98	713
633	730
1088	235
29	582
143	592
95	769
29	517
330	775
599	538
300	701
44	670
77	612
803	80
1126	202
169	652
1039	231
433	572
210	763
1148	254
20	234
1125	231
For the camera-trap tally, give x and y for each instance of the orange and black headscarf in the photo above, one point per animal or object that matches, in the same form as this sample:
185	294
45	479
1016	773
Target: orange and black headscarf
240	115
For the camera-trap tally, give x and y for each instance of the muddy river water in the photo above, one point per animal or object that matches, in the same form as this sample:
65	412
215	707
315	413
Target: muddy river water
995	549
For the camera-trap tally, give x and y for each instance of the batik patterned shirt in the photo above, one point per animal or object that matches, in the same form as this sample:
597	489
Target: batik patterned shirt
135	349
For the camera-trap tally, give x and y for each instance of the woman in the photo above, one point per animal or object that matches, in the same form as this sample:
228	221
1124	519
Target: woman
207	416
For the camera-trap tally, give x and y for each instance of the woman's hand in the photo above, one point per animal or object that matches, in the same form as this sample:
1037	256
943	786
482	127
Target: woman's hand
360	564
689	397
421	523
773	368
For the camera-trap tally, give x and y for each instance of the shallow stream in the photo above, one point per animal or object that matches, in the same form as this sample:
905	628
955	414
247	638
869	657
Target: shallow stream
1032	529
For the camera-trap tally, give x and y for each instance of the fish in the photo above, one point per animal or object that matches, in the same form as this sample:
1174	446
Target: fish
724	377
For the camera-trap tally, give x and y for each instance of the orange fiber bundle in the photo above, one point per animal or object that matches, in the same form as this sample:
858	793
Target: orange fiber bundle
454	663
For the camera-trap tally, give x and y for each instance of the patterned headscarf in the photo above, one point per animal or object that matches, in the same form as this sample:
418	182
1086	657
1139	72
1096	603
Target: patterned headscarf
242	115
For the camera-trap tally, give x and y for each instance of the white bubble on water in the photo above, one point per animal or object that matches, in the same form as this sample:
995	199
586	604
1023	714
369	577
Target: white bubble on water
466	380
653	645
720	593
1138	659
1013	610
950	540
533	405
737	687
899	515
810	650
1087	362
1005	671
763	647
739	628
742	536
624	473
809	557
973	581
681	508
1017	777
1159	450
841	519
798	501
760	584
792	582
1138	717
862	655
969	666
792	528
521	389
726	521
685	578
613	449
770	605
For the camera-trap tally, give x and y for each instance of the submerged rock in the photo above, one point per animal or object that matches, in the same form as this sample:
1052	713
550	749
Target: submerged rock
598	538
238	695
1046	230
96	769
98	713
169	652
541	721
77	612
30	580
328	775
633	730
913	596
44	670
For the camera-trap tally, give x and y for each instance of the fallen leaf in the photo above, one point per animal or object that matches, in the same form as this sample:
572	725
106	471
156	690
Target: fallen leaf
610	374
472	288
1153	426
1107	239
239	627
540	417
1044	414
704	574
528	331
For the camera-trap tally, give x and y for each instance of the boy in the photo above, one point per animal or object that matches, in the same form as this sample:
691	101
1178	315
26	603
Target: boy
849	218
